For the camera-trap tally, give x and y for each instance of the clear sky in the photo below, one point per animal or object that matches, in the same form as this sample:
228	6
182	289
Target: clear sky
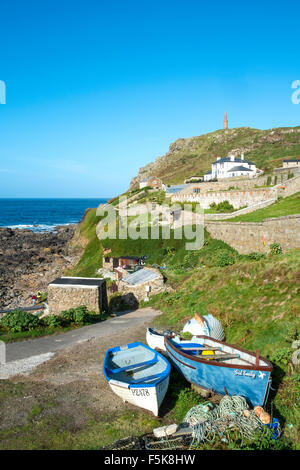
96	89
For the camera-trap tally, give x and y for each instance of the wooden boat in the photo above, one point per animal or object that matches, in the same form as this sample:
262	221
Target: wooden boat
156	339
206	325
137	374
222	368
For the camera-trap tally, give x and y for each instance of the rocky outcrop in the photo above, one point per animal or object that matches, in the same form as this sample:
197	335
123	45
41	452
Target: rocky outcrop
30	260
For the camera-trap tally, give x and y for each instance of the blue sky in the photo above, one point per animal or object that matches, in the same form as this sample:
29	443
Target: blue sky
97	89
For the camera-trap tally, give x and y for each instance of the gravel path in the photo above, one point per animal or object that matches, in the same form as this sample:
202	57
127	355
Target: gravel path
24	356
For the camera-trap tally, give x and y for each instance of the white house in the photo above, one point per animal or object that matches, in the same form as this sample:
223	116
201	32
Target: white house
230	167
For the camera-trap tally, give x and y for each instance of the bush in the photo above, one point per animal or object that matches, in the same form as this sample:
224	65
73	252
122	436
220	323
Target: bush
275	249
225	258
52	321
256	256
223	206
18	320
79	316
68	315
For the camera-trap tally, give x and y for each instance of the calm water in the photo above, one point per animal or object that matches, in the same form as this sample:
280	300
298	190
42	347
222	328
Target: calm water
43	214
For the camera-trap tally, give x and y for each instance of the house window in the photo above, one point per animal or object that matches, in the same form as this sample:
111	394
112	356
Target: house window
197	190
106	259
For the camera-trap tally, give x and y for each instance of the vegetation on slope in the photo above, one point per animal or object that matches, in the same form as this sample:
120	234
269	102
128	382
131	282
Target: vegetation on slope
86	239
287	206
261	296
193	156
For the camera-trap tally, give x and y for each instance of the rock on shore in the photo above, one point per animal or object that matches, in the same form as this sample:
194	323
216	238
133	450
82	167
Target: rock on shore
30	260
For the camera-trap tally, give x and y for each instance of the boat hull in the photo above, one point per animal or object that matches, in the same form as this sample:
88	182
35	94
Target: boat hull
148	398
138	375
251	382
155	341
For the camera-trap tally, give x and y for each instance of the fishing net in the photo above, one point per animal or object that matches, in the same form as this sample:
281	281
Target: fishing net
203	424
233	413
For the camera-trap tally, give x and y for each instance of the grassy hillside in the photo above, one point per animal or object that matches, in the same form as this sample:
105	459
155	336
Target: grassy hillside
85	239
288	206
260	296
193	156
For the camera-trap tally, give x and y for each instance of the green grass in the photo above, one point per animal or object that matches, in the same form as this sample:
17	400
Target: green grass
91	259
287	206
260	296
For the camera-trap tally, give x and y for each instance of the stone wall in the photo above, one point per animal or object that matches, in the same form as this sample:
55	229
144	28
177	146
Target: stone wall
246	210
236	198
289	187
65	297
247	237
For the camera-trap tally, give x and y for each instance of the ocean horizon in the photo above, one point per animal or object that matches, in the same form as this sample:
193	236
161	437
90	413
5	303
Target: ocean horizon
44	214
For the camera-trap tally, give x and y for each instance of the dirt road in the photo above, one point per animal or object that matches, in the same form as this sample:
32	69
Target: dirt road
54	405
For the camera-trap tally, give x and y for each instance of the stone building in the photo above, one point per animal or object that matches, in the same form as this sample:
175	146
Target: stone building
153	182
142	284
71	292
231	167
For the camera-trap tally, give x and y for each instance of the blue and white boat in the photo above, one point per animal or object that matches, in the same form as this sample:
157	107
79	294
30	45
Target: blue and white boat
222	368
138	374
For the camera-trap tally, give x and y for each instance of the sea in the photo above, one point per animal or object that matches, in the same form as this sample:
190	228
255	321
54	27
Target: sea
43	215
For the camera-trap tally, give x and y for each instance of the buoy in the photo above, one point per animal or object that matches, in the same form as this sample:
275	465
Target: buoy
265	417
258	410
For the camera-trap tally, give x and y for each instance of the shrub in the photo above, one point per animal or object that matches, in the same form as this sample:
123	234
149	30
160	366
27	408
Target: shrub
275	249
68	315
256	256
223	206
18	320
78	315
225	258
282	356
52	321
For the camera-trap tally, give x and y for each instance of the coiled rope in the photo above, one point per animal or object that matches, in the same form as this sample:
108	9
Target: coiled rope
207	422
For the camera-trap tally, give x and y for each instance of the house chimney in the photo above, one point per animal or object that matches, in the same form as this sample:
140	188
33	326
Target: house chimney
242	156
232	158
225	121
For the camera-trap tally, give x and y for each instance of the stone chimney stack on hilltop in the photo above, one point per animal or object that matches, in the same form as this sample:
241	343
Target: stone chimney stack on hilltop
225	121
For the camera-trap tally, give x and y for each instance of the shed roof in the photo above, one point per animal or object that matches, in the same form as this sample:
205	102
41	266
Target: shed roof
77	282
141	276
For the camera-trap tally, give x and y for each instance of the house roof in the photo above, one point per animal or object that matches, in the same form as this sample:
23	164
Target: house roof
237	160
141	276
293	160
239	168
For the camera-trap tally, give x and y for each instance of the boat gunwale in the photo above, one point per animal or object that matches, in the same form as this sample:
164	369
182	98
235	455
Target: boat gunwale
268	368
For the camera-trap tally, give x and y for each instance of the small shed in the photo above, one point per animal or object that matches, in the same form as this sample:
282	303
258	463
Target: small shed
71	292
142	283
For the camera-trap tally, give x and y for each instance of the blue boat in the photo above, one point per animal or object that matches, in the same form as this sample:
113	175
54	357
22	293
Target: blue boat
222	368
137	374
